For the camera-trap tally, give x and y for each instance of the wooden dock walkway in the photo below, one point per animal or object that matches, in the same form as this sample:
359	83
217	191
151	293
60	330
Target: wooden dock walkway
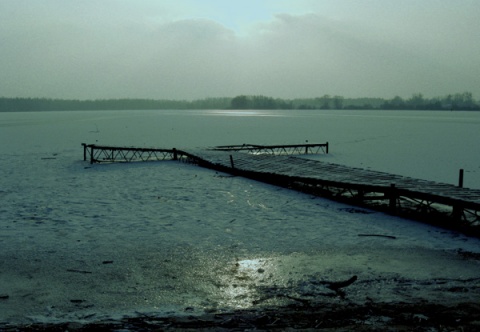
440	204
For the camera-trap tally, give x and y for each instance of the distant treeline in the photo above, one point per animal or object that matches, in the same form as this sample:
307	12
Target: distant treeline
457	101
46	104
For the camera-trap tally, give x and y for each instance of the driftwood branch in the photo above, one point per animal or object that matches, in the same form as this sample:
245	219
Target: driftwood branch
78	271
305	297
379	235
341	284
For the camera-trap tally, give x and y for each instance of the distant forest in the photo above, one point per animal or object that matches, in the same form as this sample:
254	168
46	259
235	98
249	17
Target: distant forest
457	101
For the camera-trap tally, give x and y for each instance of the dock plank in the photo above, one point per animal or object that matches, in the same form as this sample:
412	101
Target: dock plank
301	167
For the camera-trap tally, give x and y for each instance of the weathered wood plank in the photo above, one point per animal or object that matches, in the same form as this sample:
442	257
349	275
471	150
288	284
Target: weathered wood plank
298	167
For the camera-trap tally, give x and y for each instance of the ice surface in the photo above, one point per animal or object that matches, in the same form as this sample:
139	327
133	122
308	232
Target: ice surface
85	242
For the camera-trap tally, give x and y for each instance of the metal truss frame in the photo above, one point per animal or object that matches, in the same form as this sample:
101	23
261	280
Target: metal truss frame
275	150
108	154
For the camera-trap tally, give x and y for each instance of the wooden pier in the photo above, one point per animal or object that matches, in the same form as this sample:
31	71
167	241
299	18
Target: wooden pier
440	204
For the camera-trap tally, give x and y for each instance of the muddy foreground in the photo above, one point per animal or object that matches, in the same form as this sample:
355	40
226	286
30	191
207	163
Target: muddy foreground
300	316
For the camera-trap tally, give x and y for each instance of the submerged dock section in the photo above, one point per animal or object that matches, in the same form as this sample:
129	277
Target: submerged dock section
440	204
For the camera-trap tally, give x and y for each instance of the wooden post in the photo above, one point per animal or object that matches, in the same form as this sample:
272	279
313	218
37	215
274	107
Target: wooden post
175	156
231	161
327	147
84	151
457	212
91	154
306	149
360	195
457	209
392	198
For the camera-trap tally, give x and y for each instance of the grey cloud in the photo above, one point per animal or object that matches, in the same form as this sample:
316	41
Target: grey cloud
290	56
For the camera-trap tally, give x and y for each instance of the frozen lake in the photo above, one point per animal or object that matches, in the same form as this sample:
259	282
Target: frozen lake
83	242
429	145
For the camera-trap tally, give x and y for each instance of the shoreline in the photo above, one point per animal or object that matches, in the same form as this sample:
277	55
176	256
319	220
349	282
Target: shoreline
421	315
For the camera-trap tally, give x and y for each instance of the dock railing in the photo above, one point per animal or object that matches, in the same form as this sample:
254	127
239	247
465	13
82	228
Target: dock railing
105	153
111	154
276	149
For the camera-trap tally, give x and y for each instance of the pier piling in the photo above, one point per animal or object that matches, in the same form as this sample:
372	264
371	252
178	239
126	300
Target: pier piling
392	203
84	152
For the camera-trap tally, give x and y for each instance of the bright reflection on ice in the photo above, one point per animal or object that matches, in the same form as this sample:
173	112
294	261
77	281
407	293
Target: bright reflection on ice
249	264
241	282
243	113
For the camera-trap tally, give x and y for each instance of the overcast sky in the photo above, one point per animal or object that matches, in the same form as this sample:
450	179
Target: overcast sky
188	49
